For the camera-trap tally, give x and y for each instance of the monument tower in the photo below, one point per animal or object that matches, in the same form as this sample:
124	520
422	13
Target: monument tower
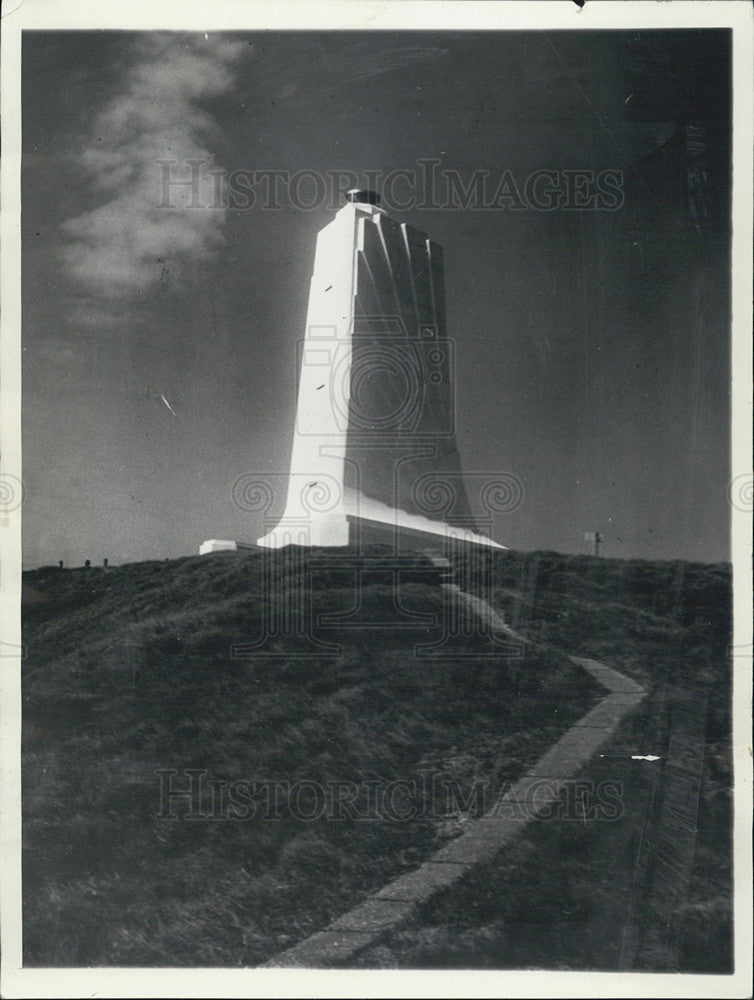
374	453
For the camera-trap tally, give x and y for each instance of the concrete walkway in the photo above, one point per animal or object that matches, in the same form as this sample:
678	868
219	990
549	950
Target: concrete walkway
534	794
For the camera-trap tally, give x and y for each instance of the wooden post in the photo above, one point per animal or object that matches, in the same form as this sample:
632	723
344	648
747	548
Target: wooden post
595	537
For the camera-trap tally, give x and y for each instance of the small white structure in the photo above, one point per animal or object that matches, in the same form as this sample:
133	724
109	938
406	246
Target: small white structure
218	545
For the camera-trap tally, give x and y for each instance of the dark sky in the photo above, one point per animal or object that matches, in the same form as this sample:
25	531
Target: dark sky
592	345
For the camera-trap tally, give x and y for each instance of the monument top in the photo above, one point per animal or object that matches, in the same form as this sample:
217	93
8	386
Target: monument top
362	196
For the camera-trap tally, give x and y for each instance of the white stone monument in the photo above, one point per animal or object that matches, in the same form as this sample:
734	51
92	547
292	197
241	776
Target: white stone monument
374	453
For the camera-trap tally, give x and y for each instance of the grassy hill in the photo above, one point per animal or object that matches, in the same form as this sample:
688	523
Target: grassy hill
329	724
652	891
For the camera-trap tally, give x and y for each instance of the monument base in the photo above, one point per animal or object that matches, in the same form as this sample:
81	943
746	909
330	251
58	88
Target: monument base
360	520
402	538
360	533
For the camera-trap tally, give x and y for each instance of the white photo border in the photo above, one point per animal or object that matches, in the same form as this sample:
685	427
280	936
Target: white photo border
459	15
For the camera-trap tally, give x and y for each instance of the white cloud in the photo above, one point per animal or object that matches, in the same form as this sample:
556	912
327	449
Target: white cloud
134	237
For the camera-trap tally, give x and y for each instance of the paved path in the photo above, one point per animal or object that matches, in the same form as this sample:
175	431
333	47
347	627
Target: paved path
534	794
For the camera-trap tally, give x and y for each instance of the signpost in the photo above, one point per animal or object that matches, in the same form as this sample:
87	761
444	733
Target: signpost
595	537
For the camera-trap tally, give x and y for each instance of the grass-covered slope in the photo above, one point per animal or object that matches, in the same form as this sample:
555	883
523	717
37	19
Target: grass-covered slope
649	889
320	763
